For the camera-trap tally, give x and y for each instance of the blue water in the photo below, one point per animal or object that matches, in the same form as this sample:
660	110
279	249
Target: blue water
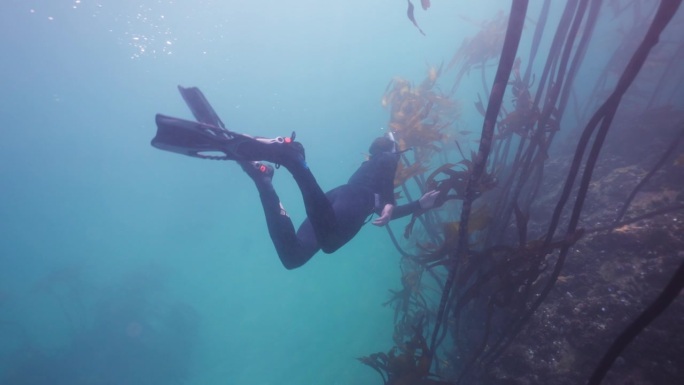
120	262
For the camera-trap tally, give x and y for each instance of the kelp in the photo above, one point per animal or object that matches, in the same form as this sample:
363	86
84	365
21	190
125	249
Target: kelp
408	363
492	271
482	48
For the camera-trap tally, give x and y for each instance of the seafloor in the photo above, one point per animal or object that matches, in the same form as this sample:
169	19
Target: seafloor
611	276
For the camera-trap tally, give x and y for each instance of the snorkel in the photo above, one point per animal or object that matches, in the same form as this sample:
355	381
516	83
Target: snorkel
390	136
395	145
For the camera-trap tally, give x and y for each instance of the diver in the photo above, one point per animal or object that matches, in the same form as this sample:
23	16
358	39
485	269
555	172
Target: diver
333	218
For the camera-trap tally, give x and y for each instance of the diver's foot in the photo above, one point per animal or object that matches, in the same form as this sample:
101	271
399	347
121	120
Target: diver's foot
294	151
259	172
281	151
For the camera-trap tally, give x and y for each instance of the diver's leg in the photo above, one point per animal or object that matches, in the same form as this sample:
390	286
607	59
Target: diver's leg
293	250
308	244
290	155
319	209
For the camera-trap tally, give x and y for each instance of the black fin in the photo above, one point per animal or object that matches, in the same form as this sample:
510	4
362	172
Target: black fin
200	107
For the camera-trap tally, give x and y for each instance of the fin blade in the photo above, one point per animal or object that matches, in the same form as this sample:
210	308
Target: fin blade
200	106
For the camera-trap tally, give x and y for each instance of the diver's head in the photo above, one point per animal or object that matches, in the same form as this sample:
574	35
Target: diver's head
384	143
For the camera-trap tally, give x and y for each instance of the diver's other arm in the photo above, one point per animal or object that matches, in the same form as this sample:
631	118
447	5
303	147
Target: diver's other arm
426	202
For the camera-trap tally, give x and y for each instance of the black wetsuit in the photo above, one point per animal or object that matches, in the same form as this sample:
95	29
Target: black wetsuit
333	218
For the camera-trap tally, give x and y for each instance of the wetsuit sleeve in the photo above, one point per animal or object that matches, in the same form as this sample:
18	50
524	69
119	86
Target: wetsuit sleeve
407	209
388	168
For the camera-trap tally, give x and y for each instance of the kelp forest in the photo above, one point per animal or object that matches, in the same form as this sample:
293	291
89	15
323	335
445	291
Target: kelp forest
556	255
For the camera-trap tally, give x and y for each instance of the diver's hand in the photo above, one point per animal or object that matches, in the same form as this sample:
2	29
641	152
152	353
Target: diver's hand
386	215
427	201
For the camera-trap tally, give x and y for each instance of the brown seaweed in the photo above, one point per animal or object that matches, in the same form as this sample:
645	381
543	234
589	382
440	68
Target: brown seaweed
495	270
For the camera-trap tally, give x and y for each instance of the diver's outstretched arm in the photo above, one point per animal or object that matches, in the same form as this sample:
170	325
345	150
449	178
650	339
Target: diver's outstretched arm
424	203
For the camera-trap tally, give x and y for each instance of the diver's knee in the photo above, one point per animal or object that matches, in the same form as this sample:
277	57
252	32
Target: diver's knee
329	249
290	264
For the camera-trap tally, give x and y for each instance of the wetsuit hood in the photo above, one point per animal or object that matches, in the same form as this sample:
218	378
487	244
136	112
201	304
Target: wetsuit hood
382	144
